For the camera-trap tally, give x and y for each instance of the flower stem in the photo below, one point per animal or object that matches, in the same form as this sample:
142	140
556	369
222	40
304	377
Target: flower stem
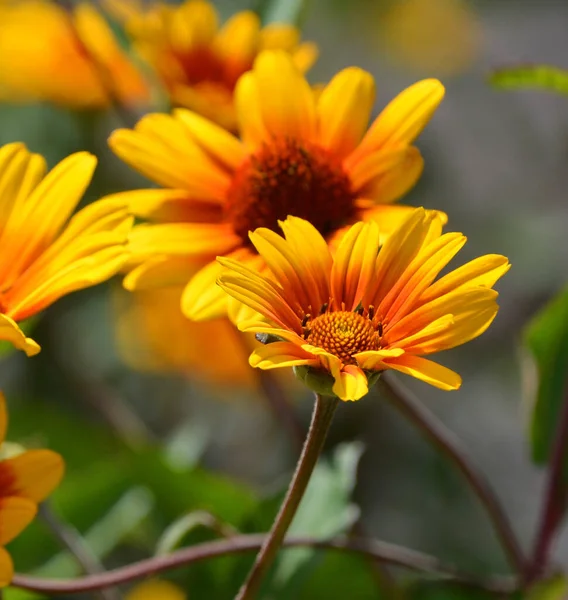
324	409
555	502
449	444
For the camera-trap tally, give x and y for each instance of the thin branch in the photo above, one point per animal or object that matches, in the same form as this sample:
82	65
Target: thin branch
72	540
555	501
382	551
446	441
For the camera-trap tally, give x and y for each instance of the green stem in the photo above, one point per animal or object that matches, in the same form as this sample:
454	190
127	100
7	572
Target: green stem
324	409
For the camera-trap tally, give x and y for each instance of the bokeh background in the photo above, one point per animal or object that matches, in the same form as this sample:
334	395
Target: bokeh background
495	162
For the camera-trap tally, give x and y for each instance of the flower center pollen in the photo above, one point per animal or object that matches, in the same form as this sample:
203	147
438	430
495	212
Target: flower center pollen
288	177
343	334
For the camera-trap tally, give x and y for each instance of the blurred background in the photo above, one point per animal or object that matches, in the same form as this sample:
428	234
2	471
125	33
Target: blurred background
151	431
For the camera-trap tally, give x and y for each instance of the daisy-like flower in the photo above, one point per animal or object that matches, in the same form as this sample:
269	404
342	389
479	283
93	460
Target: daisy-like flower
364	309
43	253
70	59
300	154
25	480
199	63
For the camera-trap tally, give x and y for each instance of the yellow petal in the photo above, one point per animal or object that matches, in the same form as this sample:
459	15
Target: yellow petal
354	264
305	56
391	217
374	360
202	298
281	354
287	102
343	110
403	119
215	140
156	590
33	474
484	271
160	271
350	384
161	149
428	371
46	209
15	515
248	106
6	568
419	274
238	39
10	332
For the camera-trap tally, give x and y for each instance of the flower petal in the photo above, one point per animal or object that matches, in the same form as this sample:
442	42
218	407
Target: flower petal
10	332
350	383
247	102
343	110
160	271
287	102
402	120
15	515
484	271
354	265
33	474
6	568
374	360
281	354
426	370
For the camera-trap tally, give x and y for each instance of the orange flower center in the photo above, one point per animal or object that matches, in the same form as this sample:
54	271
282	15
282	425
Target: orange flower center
289	177
343	334
202	64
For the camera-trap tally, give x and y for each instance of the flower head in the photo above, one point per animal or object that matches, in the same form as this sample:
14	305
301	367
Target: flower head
300	154
366	308
71	59
25	480
43	253
199	63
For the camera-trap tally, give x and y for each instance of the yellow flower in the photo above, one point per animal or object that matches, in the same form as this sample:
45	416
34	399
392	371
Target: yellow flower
364	309
25	480
153	335
299	155
198	63
44	255
156	589
68	59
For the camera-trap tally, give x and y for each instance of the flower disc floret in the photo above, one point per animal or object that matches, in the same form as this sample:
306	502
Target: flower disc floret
289	177
342	334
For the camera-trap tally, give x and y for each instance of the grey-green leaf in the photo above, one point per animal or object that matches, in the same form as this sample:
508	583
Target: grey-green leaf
540	77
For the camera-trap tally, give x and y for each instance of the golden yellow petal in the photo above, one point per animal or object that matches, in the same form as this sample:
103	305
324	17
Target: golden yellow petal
287	103
247	103
10	332
6	568
33	474
343	111
427	370
281	354
15	515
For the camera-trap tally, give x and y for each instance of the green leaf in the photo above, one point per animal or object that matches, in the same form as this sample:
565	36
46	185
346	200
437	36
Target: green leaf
283	11
326	510
546	339
542	77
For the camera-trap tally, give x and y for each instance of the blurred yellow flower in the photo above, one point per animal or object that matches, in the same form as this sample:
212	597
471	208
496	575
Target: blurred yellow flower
25	480
308	157
440	36
45	254
198	62
156	589
365	309
69	59
153	335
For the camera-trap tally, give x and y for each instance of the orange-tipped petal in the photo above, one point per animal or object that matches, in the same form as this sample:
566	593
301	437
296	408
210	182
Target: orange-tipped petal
15	515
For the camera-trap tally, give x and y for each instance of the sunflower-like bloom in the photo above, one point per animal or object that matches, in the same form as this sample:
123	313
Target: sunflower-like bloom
299	154
364	309
25	480
199	63
43	254
70	59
